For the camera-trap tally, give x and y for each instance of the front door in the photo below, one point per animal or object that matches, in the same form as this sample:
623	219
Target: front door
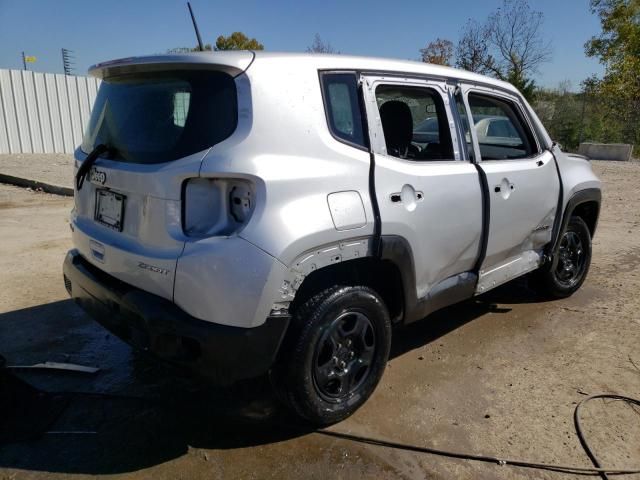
426	192
523	187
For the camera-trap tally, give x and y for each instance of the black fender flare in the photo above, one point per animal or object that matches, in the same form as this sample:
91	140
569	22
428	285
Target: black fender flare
397	250
578	198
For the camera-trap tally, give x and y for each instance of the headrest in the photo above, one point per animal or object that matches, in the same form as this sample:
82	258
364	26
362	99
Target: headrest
397	123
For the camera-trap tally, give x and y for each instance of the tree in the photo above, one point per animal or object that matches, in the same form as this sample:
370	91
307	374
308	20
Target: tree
618	49
319	46
472	51
237	41
439	52
509	45
515	32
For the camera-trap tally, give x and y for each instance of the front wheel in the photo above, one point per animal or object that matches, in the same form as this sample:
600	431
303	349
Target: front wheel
570	265
334	354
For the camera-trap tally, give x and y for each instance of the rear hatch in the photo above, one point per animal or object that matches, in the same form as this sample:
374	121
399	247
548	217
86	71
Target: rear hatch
158	119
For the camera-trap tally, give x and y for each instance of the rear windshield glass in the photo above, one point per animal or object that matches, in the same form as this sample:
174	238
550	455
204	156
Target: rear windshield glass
158	117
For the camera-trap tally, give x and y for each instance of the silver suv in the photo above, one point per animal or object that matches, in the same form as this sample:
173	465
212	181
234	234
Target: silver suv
249	213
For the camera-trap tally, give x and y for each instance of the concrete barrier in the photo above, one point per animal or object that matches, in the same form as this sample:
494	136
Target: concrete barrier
606	151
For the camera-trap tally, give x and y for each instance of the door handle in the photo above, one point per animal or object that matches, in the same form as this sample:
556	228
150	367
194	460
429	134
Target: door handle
505	188
407	196
539	163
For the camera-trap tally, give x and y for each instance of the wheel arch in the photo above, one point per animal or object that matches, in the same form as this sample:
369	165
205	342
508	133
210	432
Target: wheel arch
586	205
383	276
589	211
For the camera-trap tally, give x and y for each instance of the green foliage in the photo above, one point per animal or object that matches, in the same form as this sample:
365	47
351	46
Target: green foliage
575	117
517	78
618	49
560	112
237	41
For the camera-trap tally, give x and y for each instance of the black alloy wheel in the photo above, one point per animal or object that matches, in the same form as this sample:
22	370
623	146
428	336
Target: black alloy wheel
571	259
334	353
344	355
568	270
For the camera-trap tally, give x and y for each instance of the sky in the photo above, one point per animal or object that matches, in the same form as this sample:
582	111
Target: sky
102	30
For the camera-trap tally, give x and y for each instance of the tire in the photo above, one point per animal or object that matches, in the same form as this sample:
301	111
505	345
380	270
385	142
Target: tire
334	354
567	272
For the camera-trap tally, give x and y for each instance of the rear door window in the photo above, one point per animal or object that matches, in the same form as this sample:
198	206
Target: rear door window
159	117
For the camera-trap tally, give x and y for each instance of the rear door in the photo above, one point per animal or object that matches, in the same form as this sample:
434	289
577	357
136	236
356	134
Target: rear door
523	186
427	193
157	126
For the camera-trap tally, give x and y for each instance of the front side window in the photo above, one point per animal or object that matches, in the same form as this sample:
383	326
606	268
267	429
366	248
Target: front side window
340	91
414	123
501	131
158	117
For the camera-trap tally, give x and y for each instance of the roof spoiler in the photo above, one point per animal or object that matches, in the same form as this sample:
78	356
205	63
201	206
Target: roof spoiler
234	63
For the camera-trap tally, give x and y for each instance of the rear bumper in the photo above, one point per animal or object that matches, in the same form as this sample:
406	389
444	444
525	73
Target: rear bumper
221	353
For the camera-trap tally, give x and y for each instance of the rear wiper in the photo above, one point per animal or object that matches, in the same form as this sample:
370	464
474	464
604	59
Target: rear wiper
88	162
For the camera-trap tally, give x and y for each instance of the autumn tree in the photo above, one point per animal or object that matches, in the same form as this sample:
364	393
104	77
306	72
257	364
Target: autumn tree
439	52
320	46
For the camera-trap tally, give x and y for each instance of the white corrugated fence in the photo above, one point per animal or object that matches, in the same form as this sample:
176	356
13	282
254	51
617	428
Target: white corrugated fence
43	112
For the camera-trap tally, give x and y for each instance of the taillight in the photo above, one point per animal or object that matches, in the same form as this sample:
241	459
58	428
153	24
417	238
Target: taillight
216	206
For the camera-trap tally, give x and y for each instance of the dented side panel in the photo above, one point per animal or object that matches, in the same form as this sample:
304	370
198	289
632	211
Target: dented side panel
524	199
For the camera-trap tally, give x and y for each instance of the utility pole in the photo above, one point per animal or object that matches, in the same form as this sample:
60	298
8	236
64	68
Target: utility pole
67	61
24	62
195	27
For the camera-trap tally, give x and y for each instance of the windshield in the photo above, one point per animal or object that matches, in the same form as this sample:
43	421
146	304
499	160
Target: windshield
158	117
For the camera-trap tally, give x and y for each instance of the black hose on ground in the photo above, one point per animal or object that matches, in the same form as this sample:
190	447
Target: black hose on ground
580	433
597	470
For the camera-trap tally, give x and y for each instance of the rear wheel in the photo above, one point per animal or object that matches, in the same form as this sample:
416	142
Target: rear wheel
566	274
334	354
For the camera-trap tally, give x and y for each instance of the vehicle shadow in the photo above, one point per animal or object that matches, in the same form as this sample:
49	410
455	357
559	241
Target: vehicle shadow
142	413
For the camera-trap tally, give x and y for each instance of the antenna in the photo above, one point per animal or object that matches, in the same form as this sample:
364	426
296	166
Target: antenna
67	61
195	27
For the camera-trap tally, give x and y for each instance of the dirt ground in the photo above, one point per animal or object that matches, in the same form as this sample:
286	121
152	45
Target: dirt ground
498	375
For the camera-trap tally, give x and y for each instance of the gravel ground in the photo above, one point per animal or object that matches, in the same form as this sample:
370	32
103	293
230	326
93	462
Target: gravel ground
497	375
51	168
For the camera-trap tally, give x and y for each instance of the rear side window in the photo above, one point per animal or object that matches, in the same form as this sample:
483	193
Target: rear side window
502	132
159	117
340	92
